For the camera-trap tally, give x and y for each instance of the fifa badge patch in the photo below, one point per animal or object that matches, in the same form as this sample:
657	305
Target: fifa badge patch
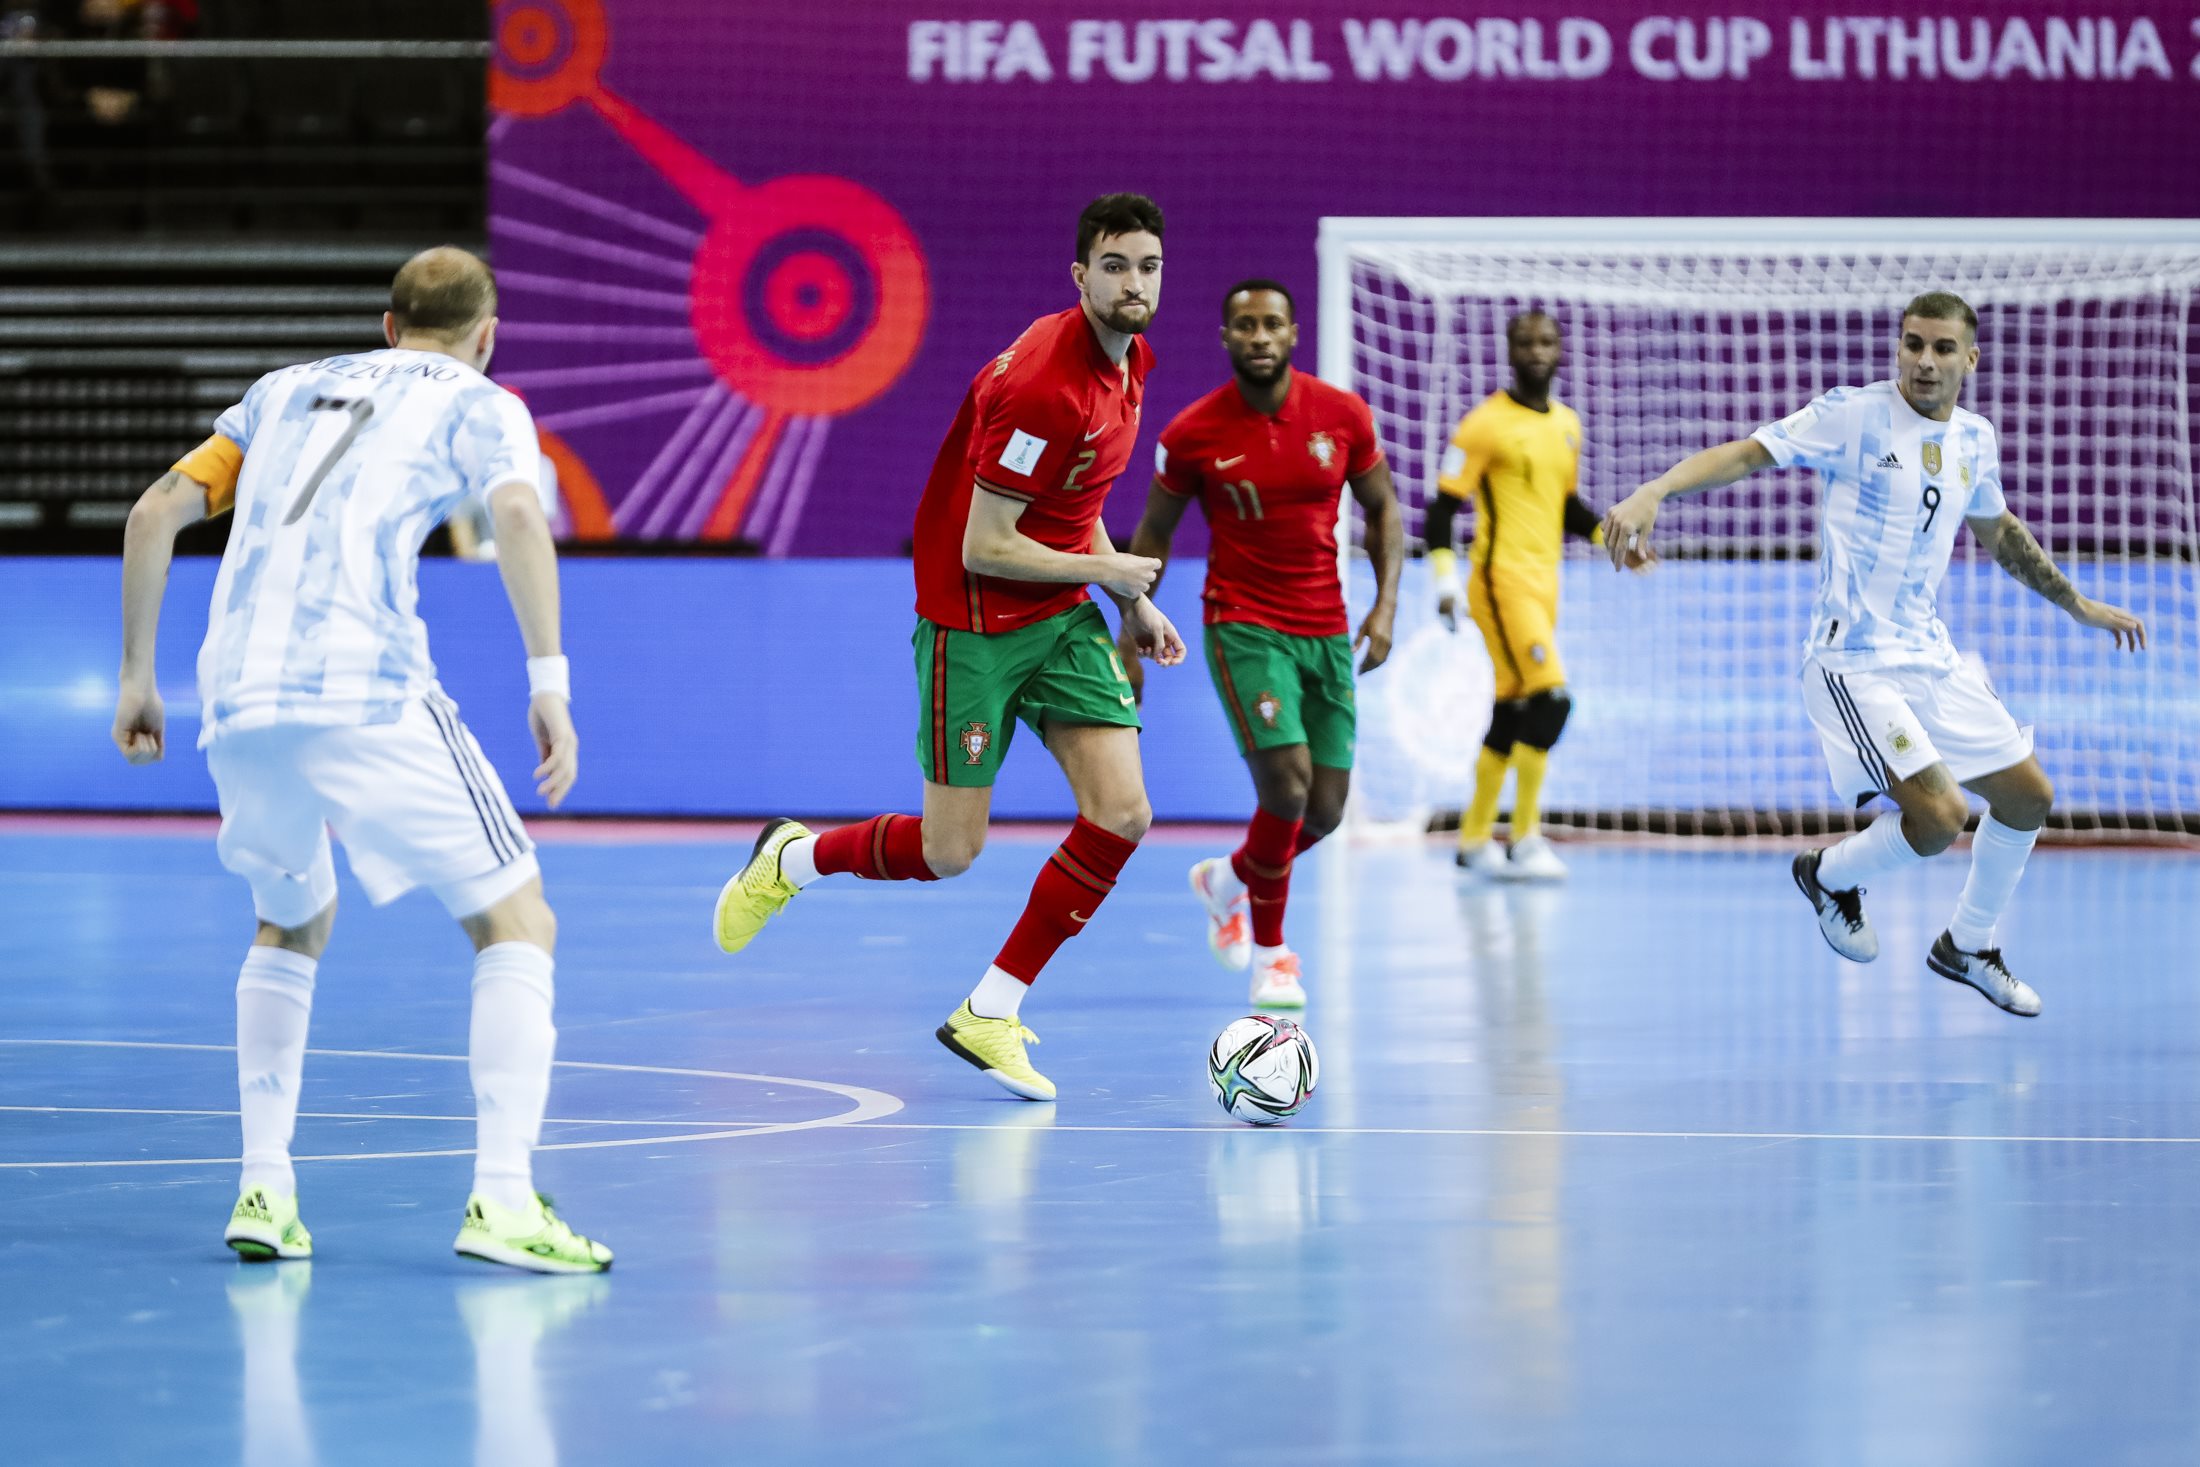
1900	738
1932	459
976	739
1323	447
1269	707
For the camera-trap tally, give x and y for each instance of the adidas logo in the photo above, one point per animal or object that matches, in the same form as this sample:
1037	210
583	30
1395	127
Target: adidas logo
1890	462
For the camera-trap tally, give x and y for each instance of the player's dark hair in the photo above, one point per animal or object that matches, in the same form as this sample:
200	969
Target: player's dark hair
1114	214
1258	283
442	292
1942	305
1519	319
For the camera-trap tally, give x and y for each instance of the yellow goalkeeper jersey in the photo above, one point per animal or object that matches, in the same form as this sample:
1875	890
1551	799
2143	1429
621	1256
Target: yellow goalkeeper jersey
1520	466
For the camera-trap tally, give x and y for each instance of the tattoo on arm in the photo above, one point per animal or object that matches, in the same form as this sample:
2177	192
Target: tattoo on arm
2020	555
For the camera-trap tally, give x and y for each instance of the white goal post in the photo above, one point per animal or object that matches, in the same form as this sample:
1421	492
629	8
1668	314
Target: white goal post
1682	333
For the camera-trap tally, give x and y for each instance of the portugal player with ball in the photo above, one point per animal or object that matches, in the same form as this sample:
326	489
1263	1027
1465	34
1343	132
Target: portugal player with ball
1267	455
1897	713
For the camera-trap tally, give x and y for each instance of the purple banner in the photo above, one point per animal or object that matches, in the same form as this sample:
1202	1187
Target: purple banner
752	255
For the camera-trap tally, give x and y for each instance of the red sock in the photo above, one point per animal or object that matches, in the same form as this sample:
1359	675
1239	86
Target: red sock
1263	863
1071	886
1307	841
883	848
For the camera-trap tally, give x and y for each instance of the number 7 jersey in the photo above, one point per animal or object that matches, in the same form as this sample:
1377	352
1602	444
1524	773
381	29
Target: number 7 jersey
1896	486
337	470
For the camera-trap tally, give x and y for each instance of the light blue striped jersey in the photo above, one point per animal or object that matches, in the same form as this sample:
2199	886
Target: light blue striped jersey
1896	486
348	464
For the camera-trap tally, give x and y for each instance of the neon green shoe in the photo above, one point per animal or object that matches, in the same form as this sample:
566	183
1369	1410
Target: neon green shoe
996	1046
536	1241
757	892
265	1227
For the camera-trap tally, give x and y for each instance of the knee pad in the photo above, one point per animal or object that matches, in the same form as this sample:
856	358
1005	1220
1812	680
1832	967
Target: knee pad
1505	719
1543	717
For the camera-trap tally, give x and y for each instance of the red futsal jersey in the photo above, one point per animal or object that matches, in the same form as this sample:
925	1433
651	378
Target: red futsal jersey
1051	422
1269	488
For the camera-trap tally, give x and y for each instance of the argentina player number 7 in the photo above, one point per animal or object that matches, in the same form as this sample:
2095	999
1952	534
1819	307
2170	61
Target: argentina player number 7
358	409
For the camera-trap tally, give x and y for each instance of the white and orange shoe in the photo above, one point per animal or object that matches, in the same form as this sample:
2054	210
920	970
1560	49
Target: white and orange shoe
1276	980
1229	920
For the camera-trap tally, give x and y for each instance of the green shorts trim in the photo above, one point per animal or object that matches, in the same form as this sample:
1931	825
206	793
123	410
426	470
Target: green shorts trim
972	688
1280	690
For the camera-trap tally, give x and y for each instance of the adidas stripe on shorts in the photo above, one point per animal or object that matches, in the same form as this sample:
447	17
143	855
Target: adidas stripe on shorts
1885	725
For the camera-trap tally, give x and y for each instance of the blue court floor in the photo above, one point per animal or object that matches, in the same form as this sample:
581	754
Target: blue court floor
1629	1172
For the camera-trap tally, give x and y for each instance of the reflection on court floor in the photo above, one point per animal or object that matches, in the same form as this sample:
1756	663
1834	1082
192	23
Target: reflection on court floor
1631	1170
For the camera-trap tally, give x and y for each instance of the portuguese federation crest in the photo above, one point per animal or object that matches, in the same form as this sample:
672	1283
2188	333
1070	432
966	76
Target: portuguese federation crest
1323	447
1268	706
976	739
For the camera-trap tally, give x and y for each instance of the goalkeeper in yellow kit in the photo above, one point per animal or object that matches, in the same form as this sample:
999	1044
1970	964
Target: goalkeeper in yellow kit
1517	454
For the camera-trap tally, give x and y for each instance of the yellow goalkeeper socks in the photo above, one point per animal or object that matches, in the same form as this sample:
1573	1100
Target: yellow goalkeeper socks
1527	767
1489	784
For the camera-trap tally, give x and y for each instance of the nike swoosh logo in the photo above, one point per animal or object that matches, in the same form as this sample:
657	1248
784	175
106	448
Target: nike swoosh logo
1223	463
1095	433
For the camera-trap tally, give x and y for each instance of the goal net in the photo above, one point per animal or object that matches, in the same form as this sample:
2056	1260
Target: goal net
1681	334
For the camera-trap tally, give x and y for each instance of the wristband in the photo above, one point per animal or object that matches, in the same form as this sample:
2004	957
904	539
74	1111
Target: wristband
1443	571
550	675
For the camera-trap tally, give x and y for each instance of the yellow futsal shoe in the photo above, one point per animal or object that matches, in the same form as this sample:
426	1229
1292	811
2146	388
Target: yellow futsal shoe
757	892
996	1046
535	1239
265	1227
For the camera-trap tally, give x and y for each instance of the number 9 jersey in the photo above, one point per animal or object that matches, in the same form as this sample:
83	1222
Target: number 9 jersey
337	471
1895	488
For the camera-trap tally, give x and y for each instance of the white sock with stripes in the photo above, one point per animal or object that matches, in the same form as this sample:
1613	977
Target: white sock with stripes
508	1052
1874	851
274	1001
1998	854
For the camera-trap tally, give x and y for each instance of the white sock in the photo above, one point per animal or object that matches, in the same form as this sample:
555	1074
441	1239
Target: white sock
274	1001
509	1051
998	995
798	861
1263	955
1998	854
1872	852
1222	879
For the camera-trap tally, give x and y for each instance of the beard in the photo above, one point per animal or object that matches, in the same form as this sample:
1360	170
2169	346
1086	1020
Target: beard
1115	319
1266	376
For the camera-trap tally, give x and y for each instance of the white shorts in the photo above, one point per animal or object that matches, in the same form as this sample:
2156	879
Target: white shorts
414	803
1880	727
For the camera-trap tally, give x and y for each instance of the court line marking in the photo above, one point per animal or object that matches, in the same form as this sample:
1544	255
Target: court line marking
868	1105
331	1115
1220	1129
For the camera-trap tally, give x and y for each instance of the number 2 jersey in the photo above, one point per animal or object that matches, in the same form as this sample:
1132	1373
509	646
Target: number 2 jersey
337	470
1050	423
1269	486
1895	488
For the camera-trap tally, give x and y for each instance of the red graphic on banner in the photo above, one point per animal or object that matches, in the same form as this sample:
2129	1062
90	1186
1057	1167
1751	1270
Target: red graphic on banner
807	295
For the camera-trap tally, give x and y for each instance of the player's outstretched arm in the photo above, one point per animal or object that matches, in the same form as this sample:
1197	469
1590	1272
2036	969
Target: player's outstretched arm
1155	534
2016	551
1386	553
148	546
527	559
1627	523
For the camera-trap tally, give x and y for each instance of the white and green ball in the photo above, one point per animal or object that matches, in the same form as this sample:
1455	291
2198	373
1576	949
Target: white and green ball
1262	1069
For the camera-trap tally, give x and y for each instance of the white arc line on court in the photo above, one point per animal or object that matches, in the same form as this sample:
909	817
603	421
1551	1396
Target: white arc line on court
868	1105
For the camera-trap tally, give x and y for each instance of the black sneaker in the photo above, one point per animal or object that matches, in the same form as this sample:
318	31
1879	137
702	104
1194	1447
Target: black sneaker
1986	972
1840	913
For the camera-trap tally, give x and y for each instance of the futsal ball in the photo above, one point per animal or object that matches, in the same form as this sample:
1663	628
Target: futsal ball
1262	1069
